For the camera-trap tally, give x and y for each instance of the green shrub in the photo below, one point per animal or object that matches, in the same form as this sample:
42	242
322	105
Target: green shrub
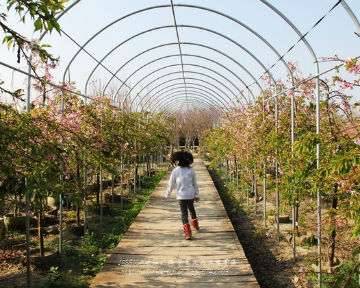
59	280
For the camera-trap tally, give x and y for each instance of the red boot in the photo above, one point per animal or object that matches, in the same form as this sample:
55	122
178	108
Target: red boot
195	224
187	231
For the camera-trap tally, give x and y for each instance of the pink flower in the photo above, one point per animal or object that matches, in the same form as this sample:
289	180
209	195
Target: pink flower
29	213
357	141
50	157
345	104
340	222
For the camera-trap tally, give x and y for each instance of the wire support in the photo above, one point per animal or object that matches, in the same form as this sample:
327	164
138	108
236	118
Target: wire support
180	51
302	37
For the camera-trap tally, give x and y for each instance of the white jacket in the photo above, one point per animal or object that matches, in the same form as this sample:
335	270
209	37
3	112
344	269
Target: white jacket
186	186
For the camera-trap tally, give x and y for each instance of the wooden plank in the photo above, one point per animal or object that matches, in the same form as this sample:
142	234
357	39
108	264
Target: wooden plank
154	253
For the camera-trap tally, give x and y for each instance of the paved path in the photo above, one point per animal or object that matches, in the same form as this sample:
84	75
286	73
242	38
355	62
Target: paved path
154	253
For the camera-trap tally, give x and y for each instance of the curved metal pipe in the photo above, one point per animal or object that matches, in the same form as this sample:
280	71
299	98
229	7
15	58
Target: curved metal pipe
177	93
192	72
190	85
190	90
187	55
192	44
184	64
180	102
188	78
180	96
106	27
204	109
225	37
241	24
351	15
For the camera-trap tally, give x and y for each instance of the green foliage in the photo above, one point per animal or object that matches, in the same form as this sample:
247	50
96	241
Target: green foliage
88	256
345	274
59	279
257	140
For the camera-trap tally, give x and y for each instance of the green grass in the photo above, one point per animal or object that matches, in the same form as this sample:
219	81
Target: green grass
82	259
345	273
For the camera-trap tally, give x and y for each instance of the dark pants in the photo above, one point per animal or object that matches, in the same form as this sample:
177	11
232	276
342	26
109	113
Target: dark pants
184	206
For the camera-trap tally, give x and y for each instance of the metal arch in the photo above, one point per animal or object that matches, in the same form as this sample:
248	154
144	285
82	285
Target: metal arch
186	6
174	65
193	72
188	55
179	105
99	63
161	106
192	83
201	108
212	116
189	83
106	27
59	16
292	25
227	38
187	43
179	46
190	92
191	96
351	15
241	24
193	101
195	79
197	73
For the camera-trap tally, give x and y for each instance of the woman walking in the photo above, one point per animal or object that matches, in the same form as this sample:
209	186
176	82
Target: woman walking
187	190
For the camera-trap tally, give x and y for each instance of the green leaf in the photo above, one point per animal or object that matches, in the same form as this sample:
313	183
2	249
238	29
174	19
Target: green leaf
56	25
38	24
7	38
9	44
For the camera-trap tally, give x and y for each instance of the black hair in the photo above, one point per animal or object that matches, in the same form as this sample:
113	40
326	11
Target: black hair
183	158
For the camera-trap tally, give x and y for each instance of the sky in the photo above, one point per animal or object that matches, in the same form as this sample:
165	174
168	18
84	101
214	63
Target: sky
221	57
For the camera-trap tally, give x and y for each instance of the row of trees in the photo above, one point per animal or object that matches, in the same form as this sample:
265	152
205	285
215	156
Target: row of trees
55	149
257	142
190	126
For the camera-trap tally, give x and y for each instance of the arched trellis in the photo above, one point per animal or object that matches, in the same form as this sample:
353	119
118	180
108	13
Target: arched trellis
197	74
181	104
189	6
257	60
200	106
188	78
226	79
188	55
153	105
147	106
174	100
297	31
191	85
169	44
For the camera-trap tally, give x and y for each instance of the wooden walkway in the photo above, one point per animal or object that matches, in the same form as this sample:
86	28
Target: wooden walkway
154	253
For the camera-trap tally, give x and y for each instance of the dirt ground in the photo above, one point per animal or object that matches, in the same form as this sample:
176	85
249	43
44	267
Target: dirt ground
272	260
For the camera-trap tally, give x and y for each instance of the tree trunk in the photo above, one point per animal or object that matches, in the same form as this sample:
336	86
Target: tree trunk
78	214
297	205
148	164
333	227
97	188
40	233
78	181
